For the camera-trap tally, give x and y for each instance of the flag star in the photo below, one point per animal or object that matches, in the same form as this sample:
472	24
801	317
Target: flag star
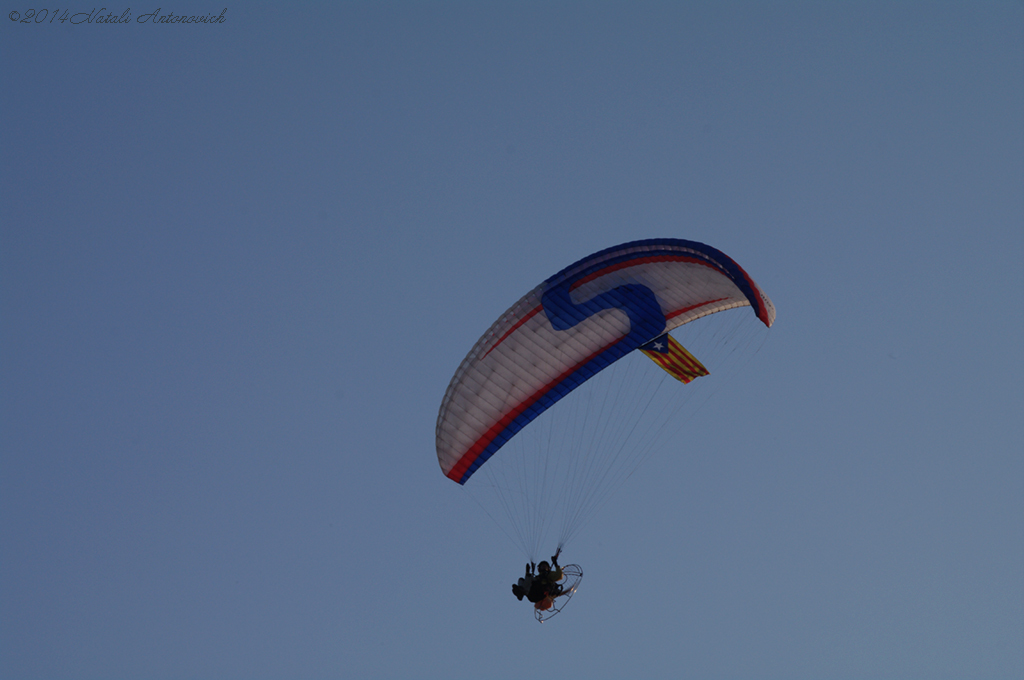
658	346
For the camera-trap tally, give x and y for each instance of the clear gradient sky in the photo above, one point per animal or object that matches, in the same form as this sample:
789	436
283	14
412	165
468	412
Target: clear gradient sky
239	264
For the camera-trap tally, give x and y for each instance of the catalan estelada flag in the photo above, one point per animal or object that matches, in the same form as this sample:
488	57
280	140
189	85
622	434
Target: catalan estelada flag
674	358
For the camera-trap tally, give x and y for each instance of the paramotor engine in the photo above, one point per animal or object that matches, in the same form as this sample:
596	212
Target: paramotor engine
572	574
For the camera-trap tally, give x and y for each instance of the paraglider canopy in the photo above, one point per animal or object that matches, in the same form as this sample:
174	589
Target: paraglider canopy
575	324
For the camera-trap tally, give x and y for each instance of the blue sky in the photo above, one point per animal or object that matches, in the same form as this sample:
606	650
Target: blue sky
240	263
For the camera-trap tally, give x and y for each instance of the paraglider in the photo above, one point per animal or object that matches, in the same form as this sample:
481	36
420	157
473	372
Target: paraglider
557	339
544	583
